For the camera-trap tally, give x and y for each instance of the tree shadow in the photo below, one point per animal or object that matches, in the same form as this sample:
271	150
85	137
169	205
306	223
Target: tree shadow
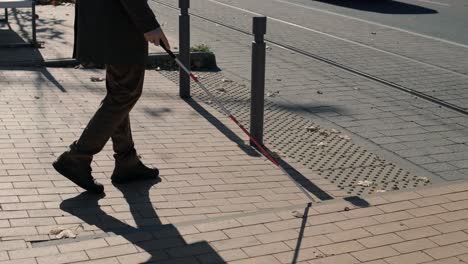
309	108
25	55
11	39
357	201
381	6
156	112
48	26
160	242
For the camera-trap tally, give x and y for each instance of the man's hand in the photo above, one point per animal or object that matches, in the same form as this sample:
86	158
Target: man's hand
154	36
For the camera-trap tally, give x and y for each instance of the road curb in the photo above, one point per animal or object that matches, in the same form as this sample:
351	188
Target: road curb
198	61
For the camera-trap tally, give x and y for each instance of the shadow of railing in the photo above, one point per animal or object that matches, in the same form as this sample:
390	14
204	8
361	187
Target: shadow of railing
159	241
38	80
15	51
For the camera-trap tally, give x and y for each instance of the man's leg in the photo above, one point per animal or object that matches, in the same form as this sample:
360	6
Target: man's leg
124	85
122	140
128	167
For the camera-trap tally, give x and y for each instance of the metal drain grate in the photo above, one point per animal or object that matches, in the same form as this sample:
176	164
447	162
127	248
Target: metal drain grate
326	152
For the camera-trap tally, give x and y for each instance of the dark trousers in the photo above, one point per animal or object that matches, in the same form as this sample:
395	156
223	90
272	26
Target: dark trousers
124	84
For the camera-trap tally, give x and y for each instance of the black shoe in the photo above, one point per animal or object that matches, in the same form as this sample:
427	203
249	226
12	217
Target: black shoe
77	172
131	169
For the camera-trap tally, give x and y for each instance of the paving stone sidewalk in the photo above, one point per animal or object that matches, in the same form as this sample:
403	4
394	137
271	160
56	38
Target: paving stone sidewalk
204	173
218	202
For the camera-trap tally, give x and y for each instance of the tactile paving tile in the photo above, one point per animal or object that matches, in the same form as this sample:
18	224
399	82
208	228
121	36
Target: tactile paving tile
327	152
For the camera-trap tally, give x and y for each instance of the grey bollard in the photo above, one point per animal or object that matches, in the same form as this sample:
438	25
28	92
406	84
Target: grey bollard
34	40
184	48
258	80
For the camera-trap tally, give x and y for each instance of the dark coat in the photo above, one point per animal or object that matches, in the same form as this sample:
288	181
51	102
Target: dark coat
111	31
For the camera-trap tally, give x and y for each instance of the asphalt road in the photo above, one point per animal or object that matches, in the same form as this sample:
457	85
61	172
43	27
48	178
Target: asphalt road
446	19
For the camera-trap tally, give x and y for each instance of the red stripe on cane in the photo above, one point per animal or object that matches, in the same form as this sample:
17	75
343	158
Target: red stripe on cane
194	77
273	160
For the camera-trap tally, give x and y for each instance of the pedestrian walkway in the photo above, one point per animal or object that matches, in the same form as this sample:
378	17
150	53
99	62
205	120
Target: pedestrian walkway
219	201
204	173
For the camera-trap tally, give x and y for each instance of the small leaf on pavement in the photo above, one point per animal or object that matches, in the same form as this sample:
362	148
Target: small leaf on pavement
365	183
272	94
56	231
344	137
97	79
424	179
297	214
67	233
322	144
312	128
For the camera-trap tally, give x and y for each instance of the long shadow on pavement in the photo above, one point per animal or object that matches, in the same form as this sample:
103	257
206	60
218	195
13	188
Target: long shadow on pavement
308	108
222	128
304	182
301	234
296	175
381	6
160	242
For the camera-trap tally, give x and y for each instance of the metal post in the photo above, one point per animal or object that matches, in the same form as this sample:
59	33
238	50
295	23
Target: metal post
258	80
34	42
6	15
184	47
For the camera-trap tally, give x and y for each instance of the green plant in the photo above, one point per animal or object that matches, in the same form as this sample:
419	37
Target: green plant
201	48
